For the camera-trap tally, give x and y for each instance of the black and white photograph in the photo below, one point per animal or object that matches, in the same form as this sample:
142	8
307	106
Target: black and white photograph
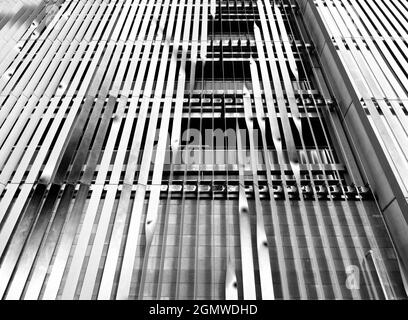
206	157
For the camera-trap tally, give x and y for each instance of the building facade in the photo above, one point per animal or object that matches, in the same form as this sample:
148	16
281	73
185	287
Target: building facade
203	149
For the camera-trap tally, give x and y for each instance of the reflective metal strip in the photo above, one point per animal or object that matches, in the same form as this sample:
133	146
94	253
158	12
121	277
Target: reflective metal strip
53	29
91	111
204	30
391	147
13	219
13	73
42	28
43	261
128	23
9	63
11	255
367	32
99	18
334	216
97	247
390	118
21	89
265	272
62	137
100	135
175	154
15	132
394	90
357	244
378	67
112	257
334	278
321	223
106	167
79	158
334	125
24	270
247	263
134	224
376	73
105	289
16	293
176	128
131	246
120	218
178	110
32	246
68	23
276	137
67	237
113	133
198	266
231	282
87	178
7	198
120	21
142	33
259	108
45	147
90	274
293	157
400	136
19	149
30	77
151	216
248	275
10	36
7	108
78	34
134	153
392	121
311	248
295	161
402	61
153	204
79	203
402	118
396	8
86	137
197	263
273	118
177	131
340	238
15	211
25	24
286	43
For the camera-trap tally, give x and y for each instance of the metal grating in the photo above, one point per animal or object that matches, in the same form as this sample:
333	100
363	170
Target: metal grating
110	190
